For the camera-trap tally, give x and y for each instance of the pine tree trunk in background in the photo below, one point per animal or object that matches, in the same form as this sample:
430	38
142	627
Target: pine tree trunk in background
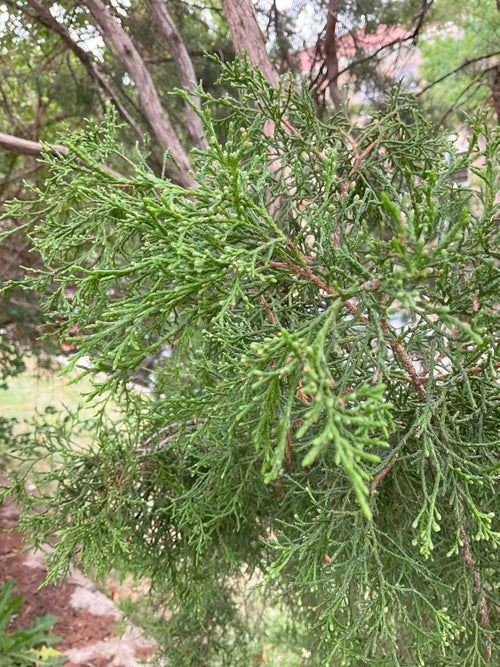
247	36
496	93
119	42
331	57
44	16
184	66
496	85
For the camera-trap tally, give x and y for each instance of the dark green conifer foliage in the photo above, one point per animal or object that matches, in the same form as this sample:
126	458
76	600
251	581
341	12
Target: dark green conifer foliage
329	415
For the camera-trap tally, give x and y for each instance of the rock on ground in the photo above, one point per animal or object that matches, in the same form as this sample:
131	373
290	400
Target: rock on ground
88	621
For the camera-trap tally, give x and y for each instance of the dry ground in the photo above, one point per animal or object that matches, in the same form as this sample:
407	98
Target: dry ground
88	621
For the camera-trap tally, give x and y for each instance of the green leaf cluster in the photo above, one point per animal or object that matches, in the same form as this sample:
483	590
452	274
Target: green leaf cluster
320	315
25	647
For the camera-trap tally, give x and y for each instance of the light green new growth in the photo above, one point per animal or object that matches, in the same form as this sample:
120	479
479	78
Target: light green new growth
329	414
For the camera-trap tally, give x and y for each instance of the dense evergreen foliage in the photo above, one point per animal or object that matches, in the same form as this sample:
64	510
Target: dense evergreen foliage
327	420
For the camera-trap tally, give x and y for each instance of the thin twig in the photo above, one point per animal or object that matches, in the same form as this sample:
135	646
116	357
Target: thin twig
465	64
405	359
268	310
288	448
410	36
469	371
398	349
306	272
471	564
380	476
305	398
357	162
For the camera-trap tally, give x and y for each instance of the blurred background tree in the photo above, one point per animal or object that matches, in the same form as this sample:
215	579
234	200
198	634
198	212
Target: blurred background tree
460	70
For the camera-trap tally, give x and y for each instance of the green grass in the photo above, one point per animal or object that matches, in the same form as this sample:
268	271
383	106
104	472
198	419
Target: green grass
49	390
36	389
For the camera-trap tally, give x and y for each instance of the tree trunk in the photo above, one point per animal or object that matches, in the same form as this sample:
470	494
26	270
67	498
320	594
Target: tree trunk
247	36
331	57
183	65
119	41
43	16
495	89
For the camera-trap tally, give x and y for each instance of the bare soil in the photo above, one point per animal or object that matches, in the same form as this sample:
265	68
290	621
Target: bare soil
88	621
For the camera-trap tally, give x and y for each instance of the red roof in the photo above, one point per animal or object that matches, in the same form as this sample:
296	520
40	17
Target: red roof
348	44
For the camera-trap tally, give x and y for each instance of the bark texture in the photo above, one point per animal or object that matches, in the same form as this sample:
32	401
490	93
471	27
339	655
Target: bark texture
43	16
120	43
183	64
247	36
331	56
495	89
